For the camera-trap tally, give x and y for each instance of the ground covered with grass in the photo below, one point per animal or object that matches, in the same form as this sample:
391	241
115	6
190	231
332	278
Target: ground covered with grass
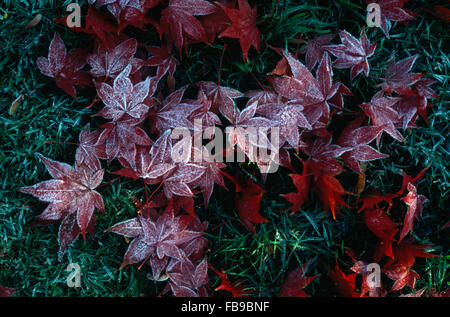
47	120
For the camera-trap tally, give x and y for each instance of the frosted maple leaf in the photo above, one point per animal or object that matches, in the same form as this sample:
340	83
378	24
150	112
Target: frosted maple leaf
391	10
71	195
220	96
91	148
157	241
290	117
121	138
172	113
189	280
352	53
312	93
249	132
109	62
124	98
380	110
64	68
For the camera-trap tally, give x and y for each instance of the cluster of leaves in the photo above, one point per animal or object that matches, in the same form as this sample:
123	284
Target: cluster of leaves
129	79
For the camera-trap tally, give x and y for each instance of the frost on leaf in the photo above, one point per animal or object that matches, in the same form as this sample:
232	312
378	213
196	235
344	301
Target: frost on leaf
64	68
71	196
124	98
352	53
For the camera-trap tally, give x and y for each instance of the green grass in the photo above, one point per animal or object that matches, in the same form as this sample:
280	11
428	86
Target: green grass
28	256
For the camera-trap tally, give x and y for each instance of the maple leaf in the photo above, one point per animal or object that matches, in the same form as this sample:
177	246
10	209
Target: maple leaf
295	282
216	22
248	132
290	117
121	138
156	241
383	227
90	149
357	138
361	268
109	62
71	196
189	280
306	90
96	23
202	112
124	98
344	283
391	10
6	292
220	96
262	97
374	199
158	166
178	21
301	182
64	68
380	110
352	53
330	191
247	199
212	174
237	288
322	157
315	49
119	8
403	276
164	61
398	79
172	114
243	26
414	203
415	103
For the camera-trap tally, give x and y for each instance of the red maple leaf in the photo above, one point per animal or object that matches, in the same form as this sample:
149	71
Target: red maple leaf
121	138
91	148
380	110
414	202
315	49
290	116
164	61
247	199
111	61
178	21
322	157
416	103
124	99
247	132
220	96
313	94
295	282
344	283
391	10
398	78
64	68
383	227
216	22
330	191
361	268
161	242
352	53
301	182
357	138
188	279
243	26
6	292
237	288
71	196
